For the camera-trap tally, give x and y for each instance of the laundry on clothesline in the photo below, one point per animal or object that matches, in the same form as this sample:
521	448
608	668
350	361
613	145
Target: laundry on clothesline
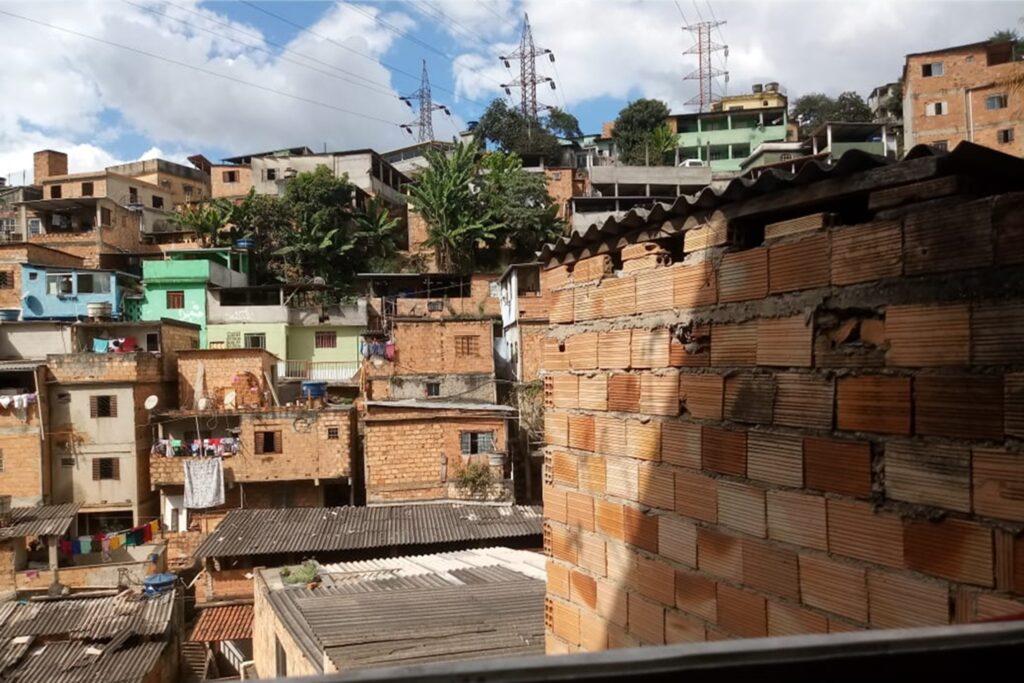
106	542
219	447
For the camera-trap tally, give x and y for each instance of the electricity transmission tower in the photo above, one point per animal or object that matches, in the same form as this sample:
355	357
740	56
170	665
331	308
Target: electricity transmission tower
426	106
705	72
528	80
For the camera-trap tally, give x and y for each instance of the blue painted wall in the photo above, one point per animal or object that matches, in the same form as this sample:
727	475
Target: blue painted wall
67	291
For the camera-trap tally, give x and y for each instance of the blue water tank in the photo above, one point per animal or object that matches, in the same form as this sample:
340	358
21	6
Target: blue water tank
9	314
245	243
314	389
159	583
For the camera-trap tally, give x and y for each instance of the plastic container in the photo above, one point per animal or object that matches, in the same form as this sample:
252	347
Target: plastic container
314	389
245	243
9	314
159	583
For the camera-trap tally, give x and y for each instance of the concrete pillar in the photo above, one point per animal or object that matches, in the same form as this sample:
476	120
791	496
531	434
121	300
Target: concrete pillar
52	547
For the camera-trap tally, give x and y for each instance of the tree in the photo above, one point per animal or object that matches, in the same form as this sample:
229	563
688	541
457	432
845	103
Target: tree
374	236
662	144
850	106
634	127
813	109
209	220
563	124
510	131
267	221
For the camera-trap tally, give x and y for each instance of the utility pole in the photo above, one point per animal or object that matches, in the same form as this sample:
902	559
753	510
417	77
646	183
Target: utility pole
426	106
705	73
526	55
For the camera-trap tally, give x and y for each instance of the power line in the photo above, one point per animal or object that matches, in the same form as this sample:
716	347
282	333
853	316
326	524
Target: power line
526	54
464	30
199	69
425	104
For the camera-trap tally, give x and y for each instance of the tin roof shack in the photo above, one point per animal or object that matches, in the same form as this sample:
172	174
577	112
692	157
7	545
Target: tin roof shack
63	293
470	604
436	450
99	437
126	638
14	256
809	423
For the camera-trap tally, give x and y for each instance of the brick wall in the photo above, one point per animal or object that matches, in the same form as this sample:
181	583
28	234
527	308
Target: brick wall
87	368
225	370
431	348
815	434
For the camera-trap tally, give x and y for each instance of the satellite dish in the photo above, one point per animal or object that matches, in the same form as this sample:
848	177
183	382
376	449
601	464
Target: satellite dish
204	403
151	402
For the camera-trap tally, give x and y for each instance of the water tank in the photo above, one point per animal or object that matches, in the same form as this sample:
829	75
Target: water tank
757	88
9	314
771	87
99	310
158	583
314	389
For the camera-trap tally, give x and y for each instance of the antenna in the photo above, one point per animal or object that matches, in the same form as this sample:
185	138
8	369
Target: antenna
426	107
528	80
705	72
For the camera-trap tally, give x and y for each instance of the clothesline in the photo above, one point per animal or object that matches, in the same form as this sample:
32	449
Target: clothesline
170	448
105	542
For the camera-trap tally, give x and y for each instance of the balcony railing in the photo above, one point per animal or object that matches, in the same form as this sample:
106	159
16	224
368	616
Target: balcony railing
318	370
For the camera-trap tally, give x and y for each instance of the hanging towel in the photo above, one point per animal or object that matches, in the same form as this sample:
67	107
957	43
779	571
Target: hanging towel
5	401
116	541
65	548
105	544
204	483
147	534
100	345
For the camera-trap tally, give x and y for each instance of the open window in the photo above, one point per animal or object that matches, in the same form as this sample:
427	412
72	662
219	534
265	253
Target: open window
268	442
93	283
59	284
472	443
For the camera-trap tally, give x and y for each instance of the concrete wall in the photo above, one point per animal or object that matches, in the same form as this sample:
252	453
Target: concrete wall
460	387
301	344
36	340
267	631
810	433
221	187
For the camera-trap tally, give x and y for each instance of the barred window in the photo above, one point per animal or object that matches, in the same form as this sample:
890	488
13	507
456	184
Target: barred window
467	346
326	340
476	442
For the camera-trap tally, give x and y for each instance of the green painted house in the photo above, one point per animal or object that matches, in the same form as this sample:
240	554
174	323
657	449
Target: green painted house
176	287
723	139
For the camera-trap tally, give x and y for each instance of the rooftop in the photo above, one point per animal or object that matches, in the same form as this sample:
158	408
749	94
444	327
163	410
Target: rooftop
310	530
229	622
440	404
42	520
88	618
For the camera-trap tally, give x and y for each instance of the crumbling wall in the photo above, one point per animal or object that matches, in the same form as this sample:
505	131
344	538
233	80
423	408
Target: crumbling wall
803	427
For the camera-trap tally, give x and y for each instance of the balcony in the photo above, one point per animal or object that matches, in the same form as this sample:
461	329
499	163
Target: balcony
87	368
341	371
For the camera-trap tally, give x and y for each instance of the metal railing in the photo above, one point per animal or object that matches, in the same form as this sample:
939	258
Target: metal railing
318	370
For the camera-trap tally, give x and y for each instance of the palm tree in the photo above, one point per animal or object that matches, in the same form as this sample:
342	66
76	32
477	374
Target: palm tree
662	143
374	234
207	220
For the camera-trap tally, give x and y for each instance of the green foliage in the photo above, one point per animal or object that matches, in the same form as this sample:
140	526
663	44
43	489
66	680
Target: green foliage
813	109
475	477
267	220
374	236
209	220
635	128
663	143
510	131
562	123
304	573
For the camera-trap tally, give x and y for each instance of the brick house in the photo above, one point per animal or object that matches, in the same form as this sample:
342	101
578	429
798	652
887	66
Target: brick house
960	93
808	424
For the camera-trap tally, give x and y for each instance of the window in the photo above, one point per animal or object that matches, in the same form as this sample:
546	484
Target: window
280	659
6	279
59	284
996	102
1005	136
740	151
256	341
931	69
103	406
467	346
175	300
55	192
935	109
271	174
87	189
93	283
158	202
216	345
133	195
476	442
152	341
106	468
433	389
67	462
229	176
435	306
940	145
267	443
332	433
35	226
494	289
785	156
326	340
188	190
106	218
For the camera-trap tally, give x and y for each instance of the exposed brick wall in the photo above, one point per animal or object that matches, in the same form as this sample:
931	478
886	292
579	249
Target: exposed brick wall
87	368
225	370
815	434
431	348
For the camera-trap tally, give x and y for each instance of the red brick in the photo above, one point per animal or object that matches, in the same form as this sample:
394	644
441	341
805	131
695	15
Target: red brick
583	589
565	621
695	285
563	544
659	395
697	595
994	606
840	626
677	540
593	632
564	469
785	342
680	444
837	466
951	549
724	450
618	638
657	486
581	432
558	579
1008	222
770	569
948	239
742	613
655	290
640	529
743	275
803	400
866	253
797	518
834	587
586	304
593	392
741	507
580	510
696	496
643	439
856	530
556	429
997	333
617	297
592	554
624	393
929	474
582	350
959	406
610	436
613	349
799	265
775	458
713	233
1014	404
749	398
928	335
720	554
609	519
680	628
786	620
564	391
998	484
688	355
555	506
810	223
650	348
734	344
874	403
555	357
611	602
622	478
656	580
561	307
898	601
621	565
701	395
646	620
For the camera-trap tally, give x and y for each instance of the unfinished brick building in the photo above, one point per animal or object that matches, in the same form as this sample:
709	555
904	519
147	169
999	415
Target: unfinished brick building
809	423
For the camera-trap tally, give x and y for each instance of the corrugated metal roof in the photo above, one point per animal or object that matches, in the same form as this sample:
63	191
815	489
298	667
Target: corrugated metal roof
20	365
307	530
925	161
424	404
42	520
470	604
233	622
90	618
70	661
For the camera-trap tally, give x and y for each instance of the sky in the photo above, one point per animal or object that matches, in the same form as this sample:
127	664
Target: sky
117	80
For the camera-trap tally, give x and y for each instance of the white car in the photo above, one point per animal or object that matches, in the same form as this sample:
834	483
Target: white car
690	163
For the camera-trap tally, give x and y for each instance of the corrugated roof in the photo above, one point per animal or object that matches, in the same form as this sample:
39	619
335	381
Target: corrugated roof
470	604
232	622
920	163
20	365
88	618
306	530
425	404
72	661
42	520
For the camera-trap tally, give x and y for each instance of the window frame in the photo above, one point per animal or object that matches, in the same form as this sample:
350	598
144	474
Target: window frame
229	177
57	279
1002	101
259	439
325	339
1005	136
97	403
7	279
470	442
113	466
172	299
100	283
467	346
333	433
433	389
929	70
157	201
253	336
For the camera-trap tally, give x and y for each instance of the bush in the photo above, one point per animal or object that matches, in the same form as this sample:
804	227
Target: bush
476	477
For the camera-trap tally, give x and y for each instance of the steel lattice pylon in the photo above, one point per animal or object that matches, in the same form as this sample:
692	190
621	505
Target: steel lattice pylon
426	106
705	73
528	80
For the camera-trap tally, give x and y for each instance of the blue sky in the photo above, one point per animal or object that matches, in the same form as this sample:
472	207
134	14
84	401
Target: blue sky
67	87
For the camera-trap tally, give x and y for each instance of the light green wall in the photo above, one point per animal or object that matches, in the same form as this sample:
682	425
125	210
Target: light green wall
743	138
190	277
301	343
277	342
